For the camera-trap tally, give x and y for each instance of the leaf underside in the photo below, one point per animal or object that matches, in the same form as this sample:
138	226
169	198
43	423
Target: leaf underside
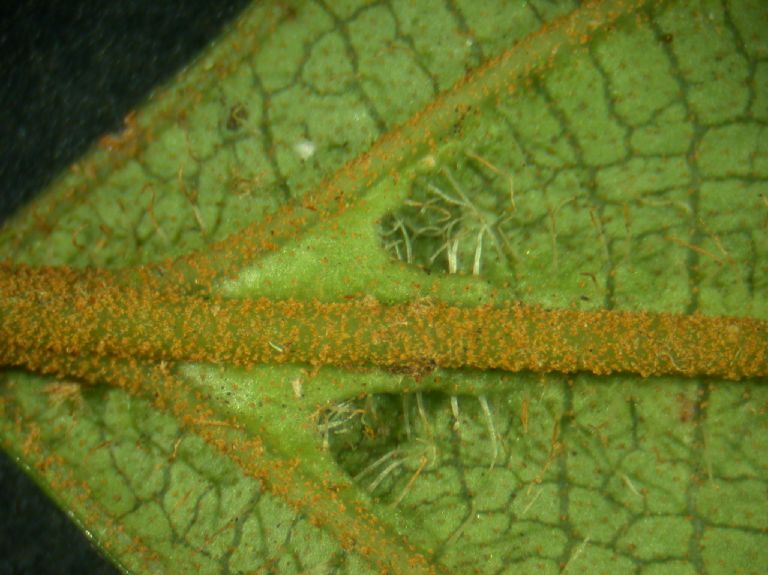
625	168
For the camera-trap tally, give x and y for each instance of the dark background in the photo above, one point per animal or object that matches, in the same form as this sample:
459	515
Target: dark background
70	70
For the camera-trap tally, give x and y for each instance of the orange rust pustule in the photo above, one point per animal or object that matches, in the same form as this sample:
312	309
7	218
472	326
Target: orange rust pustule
48	313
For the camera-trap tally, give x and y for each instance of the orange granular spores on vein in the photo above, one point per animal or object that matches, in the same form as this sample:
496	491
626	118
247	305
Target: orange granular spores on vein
49	313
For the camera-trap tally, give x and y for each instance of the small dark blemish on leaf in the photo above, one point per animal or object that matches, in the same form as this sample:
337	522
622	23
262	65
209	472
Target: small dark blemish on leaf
238	114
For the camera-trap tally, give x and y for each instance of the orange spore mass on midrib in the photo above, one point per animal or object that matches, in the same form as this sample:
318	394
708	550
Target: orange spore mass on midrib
47	313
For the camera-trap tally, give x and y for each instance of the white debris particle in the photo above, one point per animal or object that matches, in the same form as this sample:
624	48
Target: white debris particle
304	148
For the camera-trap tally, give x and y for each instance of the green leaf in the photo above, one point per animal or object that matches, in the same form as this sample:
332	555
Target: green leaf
605	156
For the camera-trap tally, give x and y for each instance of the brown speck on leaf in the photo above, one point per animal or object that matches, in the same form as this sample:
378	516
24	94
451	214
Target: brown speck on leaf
124	141
238	115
